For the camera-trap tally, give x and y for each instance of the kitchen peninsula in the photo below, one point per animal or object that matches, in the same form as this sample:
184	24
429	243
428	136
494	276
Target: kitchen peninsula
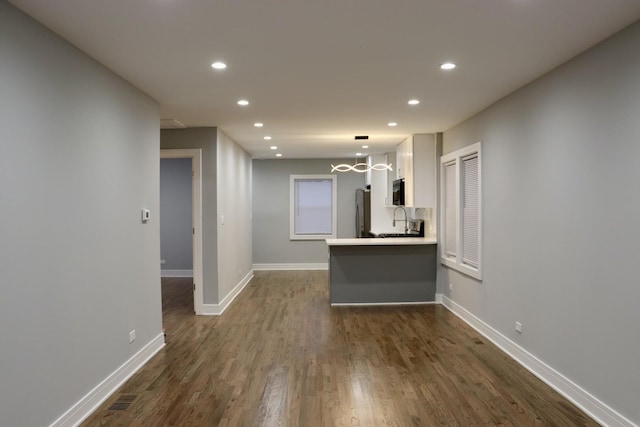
382	270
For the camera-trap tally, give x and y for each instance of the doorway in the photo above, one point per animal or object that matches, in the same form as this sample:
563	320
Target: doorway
196	218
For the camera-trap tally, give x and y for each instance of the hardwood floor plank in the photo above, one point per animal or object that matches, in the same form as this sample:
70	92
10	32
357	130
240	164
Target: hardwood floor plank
281	356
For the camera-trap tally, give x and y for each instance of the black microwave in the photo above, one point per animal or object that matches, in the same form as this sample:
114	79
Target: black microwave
398	192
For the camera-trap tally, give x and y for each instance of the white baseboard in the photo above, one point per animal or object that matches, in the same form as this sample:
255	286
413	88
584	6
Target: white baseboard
300	266
92	400
218	309
588	403
176	273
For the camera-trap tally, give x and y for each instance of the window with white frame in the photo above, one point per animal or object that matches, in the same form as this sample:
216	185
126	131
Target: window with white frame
313	207
461	201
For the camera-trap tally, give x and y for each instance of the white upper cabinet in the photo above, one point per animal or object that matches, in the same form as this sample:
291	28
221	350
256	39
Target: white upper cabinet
404	153
390	159
416	163
367	174
381	181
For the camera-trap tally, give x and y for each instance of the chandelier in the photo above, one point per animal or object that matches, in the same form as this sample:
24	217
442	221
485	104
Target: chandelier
361	167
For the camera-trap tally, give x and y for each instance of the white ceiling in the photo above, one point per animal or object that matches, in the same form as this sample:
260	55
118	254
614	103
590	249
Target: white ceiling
319	72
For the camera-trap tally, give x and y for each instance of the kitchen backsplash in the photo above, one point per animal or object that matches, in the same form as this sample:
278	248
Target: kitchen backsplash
427	215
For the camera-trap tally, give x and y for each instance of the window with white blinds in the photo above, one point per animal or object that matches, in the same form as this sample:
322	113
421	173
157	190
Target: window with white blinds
450	209
470	210
461	227
313	210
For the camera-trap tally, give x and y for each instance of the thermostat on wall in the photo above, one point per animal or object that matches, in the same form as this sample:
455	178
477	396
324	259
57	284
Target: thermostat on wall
146	214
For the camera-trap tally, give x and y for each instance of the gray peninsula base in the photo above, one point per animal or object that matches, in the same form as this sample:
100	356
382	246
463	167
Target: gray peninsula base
382	274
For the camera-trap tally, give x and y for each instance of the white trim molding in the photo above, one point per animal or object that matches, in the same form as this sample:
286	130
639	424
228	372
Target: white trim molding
92	400
218	309
588	403
176	273
285	266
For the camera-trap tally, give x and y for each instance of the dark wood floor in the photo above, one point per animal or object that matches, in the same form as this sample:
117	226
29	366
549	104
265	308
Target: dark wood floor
281	356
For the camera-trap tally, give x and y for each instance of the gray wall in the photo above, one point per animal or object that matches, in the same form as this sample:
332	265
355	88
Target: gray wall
234	202
561	206
271	244
79	270
176	238
204	138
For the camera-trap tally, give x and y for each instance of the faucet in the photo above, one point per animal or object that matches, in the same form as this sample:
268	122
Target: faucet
406	229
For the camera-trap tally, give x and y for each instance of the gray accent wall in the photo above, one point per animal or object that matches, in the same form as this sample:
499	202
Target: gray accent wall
271	244
176	237
79	269
561	206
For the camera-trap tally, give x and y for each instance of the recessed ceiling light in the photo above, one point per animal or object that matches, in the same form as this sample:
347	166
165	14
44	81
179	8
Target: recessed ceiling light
258	124
365	146
413	102
392	124
278	155
219	65
273	147
358	154
267	137
243	102
448	66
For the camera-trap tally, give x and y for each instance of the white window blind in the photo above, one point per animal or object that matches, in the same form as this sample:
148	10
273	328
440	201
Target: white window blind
470	211
313	200
450	206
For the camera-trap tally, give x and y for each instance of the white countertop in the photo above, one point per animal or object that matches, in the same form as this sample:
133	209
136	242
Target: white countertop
392	230
368	241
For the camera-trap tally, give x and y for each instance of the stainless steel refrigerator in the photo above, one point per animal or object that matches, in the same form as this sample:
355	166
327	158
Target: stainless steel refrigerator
363	212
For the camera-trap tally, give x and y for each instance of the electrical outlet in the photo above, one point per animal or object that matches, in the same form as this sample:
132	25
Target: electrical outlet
132	336
519	327
450	287
146	215
163	261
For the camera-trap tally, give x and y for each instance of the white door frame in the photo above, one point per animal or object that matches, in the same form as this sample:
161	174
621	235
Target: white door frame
195	154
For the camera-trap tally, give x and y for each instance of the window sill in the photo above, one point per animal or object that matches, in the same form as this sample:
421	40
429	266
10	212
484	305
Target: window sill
462	268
